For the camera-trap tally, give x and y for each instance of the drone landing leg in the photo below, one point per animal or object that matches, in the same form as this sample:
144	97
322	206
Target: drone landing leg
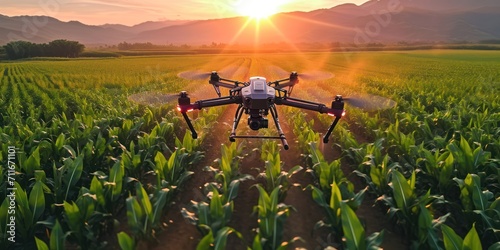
190	125
237	118
274	114
327	135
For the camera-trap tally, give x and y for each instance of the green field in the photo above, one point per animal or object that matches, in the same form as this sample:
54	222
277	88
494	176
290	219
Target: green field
88	156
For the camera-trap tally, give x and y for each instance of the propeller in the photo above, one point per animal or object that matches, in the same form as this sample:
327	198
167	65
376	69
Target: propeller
226	72
306	75
369	102
151	98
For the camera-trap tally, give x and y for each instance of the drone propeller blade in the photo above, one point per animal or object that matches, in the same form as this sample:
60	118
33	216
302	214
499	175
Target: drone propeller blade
367	102
194	75
315	75
151	98
277	72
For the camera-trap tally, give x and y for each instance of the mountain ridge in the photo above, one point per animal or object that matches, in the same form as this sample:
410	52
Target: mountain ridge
375	21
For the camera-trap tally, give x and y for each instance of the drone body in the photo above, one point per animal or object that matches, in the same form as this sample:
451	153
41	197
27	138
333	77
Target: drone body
257	98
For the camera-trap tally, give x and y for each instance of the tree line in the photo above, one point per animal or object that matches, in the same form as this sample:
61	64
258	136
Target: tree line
57	48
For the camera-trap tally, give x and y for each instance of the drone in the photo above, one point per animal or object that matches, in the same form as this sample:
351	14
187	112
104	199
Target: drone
258	98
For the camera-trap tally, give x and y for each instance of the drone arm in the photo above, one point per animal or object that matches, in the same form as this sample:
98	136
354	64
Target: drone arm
336	110
318	107
224	84
186	106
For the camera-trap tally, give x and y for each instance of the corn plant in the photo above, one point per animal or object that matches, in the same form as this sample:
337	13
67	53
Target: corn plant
57	239
217	241
144	212
173	173
438	166
379	175
271	217
125	241
331	205
480	207
410	210
210	216
227	176
327	173
354	233
467	160
277	178
471	241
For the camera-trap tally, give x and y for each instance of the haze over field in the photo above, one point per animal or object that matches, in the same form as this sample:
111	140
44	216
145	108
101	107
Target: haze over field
370	22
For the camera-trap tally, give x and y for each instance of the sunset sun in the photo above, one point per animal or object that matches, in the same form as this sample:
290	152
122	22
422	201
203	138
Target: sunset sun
258	9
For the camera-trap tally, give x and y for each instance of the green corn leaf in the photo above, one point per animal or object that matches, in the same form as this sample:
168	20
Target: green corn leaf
57	237
96	189
257	243
216	209
60	142
479	200
86	203
451	240
135	215
116	180
471	240
352	228
206	242
40	244
37	201
74	218
4	210
23	212
402	191
495	246
221	237
467	151
125	241
32	163
160	164
159	204
143	199
374	241
73	173
336	197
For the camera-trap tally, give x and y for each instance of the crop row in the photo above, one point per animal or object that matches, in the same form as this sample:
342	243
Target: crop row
333	191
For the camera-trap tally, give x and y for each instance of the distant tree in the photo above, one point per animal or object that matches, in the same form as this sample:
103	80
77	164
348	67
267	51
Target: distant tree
20	49
58	48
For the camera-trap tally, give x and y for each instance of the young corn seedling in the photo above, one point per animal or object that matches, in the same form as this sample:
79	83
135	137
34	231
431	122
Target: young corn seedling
217	241
144	212
327	173
480	207
411	211
171	174
212	216
125	241
227	176
331	205
276	177
271	218
354	232
57	239
452	241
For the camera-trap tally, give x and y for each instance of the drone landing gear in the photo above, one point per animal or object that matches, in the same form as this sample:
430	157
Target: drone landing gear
274	113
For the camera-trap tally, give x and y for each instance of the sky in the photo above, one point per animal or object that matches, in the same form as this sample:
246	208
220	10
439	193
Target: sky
130	12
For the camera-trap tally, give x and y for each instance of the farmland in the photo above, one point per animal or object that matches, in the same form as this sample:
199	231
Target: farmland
98	159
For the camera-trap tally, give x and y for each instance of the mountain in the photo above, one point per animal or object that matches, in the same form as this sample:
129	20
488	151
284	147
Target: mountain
150	25
376	21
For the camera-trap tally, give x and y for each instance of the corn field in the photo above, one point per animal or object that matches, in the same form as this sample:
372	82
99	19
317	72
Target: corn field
84	166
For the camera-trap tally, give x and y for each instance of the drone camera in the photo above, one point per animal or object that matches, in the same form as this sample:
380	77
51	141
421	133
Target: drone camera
256	123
